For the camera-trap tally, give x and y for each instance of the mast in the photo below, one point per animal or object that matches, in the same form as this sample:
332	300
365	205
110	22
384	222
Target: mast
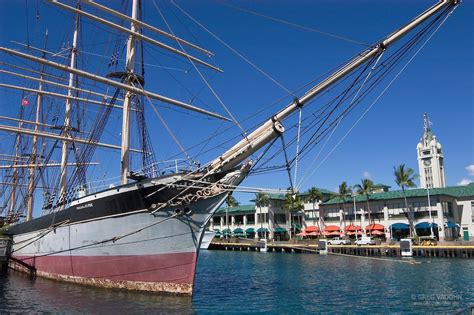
34	145
273	127
67	113
15	171
129	69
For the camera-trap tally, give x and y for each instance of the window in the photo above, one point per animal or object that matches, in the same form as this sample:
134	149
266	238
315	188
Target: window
472	211
250	219
239	219
280	218
450	209
429	177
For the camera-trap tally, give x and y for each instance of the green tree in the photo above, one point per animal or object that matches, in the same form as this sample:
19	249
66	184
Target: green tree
262	200
343	193
314	195
293	204
404	178
365	188
230	202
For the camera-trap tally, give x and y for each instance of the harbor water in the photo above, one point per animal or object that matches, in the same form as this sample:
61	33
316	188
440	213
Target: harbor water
249	282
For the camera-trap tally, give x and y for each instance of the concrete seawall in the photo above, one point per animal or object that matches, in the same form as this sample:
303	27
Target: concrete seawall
445	251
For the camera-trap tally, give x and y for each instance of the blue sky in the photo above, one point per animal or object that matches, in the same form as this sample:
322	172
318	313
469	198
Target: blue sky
439	80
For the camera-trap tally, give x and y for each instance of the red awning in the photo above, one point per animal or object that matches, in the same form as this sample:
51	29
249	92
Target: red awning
332	228
374	226
375	232
353	228
313	233
302	234
334	233
354	233
311	228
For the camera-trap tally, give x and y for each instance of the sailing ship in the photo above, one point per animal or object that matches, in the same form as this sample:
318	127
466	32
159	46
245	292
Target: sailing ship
145	233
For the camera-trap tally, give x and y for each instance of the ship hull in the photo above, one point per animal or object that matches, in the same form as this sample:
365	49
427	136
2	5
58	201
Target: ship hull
134	248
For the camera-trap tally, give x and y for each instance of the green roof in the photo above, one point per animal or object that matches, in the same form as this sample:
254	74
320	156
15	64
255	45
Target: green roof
244	208
454	191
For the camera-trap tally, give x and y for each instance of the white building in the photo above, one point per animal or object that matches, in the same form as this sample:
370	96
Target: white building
430	159
451	209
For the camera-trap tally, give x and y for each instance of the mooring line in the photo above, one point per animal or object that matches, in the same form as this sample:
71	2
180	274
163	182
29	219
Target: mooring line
411	262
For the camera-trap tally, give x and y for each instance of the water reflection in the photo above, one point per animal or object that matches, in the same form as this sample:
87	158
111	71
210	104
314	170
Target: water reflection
19	293
248	282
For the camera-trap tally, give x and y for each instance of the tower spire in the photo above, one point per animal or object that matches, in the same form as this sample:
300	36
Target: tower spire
427	123
430	158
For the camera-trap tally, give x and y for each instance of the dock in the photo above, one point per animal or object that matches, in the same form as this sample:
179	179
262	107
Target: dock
440	250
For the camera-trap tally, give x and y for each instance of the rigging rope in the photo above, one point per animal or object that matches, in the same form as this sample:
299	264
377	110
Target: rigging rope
201	76
342	116
382	72
344	38
383	91
233	50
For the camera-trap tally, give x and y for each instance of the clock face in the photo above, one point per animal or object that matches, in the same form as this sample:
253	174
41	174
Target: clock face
427	162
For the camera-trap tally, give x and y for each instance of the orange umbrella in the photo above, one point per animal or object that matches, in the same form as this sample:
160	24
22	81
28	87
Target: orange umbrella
375	226
377	233
352	228
354	233
311	228
334	233
332	228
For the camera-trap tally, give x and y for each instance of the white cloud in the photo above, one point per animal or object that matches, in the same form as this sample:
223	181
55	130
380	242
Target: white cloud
464	182
366	175
470	169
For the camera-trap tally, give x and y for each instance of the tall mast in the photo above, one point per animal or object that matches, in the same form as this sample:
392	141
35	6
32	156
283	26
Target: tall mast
129	68
34	145
15	171
67	113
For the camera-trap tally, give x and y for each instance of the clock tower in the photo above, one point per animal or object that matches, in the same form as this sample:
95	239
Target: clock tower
430	159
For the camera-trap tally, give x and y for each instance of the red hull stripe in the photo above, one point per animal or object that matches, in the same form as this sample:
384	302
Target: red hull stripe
170	268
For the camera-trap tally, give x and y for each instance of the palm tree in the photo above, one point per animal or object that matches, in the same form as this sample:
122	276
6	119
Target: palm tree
344	192
262	200
313	196
404	178
365	188
231	202
293	204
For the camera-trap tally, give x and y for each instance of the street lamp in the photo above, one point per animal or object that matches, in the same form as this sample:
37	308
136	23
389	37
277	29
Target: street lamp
390	222
355	210
429	211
